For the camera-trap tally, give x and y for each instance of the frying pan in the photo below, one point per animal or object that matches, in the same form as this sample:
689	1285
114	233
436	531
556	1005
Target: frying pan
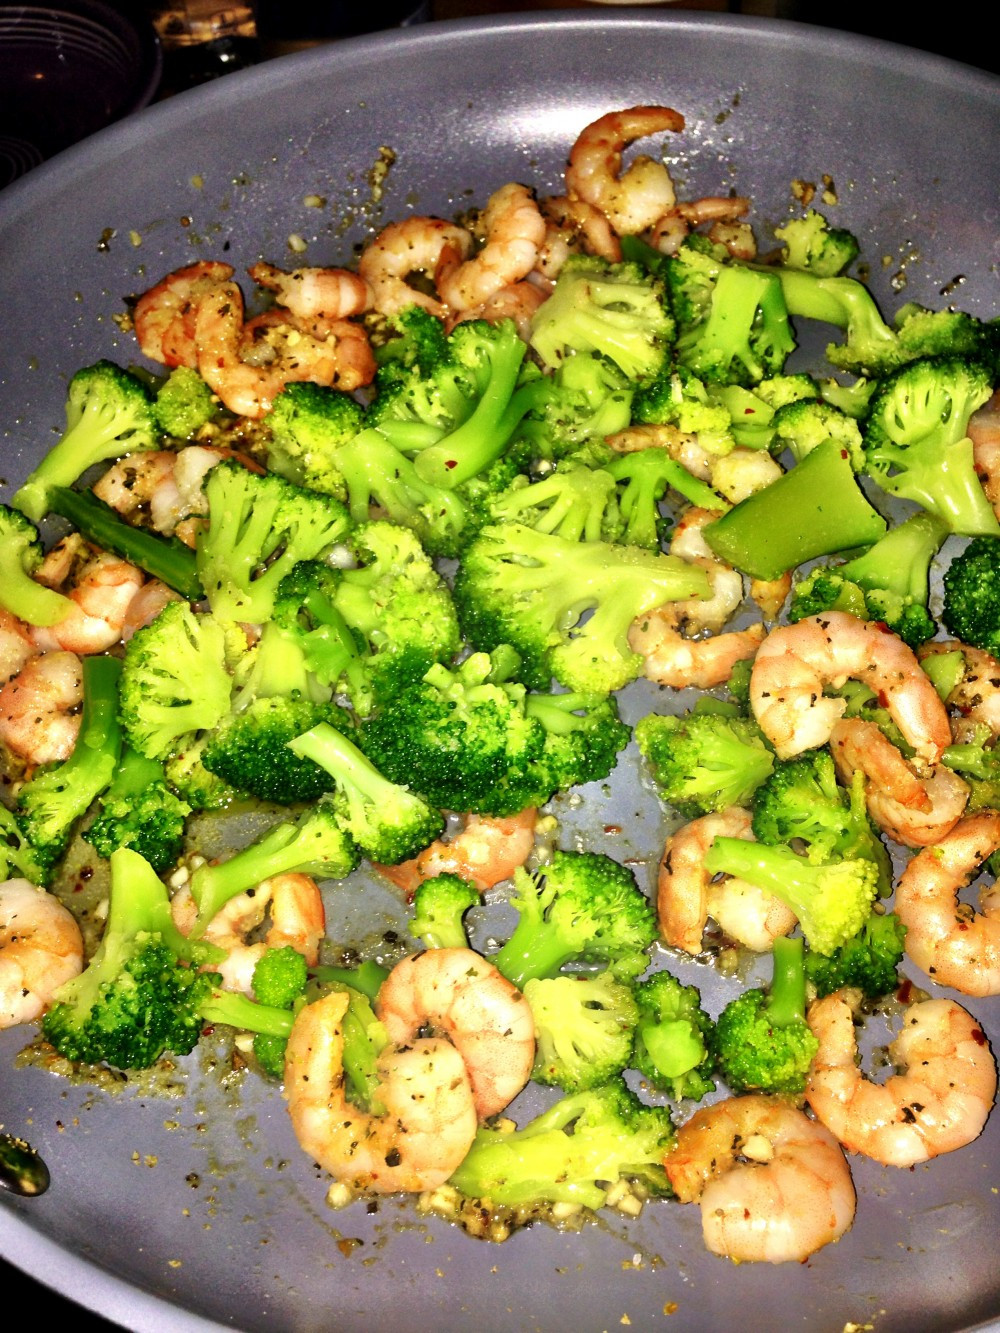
191	1206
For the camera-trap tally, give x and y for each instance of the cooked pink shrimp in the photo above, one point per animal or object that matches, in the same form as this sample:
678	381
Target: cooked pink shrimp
976	697
408	249
774	1186
293	907
37	720
984	432
795	661
15	645
913	809
676	658
429	1118
686	895
41	948
462	996
676	224
247	375
514	230
146	605
941	1103
573	226
518	302
742	472
955	945
485	851
164	317
102	587
635	199
318	297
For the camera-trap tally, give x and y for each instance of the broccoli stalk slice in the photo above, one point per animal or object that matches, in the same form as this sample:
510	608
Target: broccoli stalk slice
786	999
51	802
388	822
439	904
314	844
163	558
816	508
831	901
109	412
20	556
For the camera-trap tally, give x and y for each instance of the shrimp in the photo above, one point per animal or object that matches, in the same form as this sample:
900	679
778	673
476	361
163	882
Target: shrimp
146	605
293	905
41	948
318	297
164	317
686	895
103	586
771	594
637	198
795	661
248	375
37	720
743	472
514	230
774	1185
462	996
672	658
984	432
675	225
571	226
914	809
953	944
429	1120
15	645
485	851
518	302
977	694
404	249
941	1103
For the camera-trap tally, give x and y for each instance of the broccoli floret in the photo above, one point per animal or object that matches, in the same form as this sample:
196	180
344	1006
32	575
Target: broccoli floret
645	476
815	509
522	587
583	1029
574	502
20	556
581	906
813	245
313	844
680	399
259	528
869	960
184	404
763	1042
873	347
384	819
742	335
439	904
139	810
916	442
616	310
191	780
307	424
109	412
832	900
175	680
583	737
673	1038
801	803
279	981
802	425
318	635
51	802
704	761
583	401
164	558
576	1152
752	411
890	582
414	337
18	859
976	759
971	608
460	738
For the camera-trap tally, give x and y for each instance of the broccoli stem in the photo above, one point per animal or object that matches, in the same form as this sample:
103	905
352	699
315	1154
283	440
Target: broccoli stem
166	559
346	764
816	508
366	978
239	1011
786	1001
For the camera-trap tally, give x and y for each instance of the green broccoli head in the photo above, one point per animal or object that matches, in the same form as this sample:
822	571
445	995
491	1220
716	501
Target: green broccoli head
439	904
801	425
812	244
869	960
109	412
18	859
583	1029
580	906
678	398
645	476
583	736
585	399
20	556
140	810
306	426
674	1042
280	977
704	761
184	404
574	502
971	608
